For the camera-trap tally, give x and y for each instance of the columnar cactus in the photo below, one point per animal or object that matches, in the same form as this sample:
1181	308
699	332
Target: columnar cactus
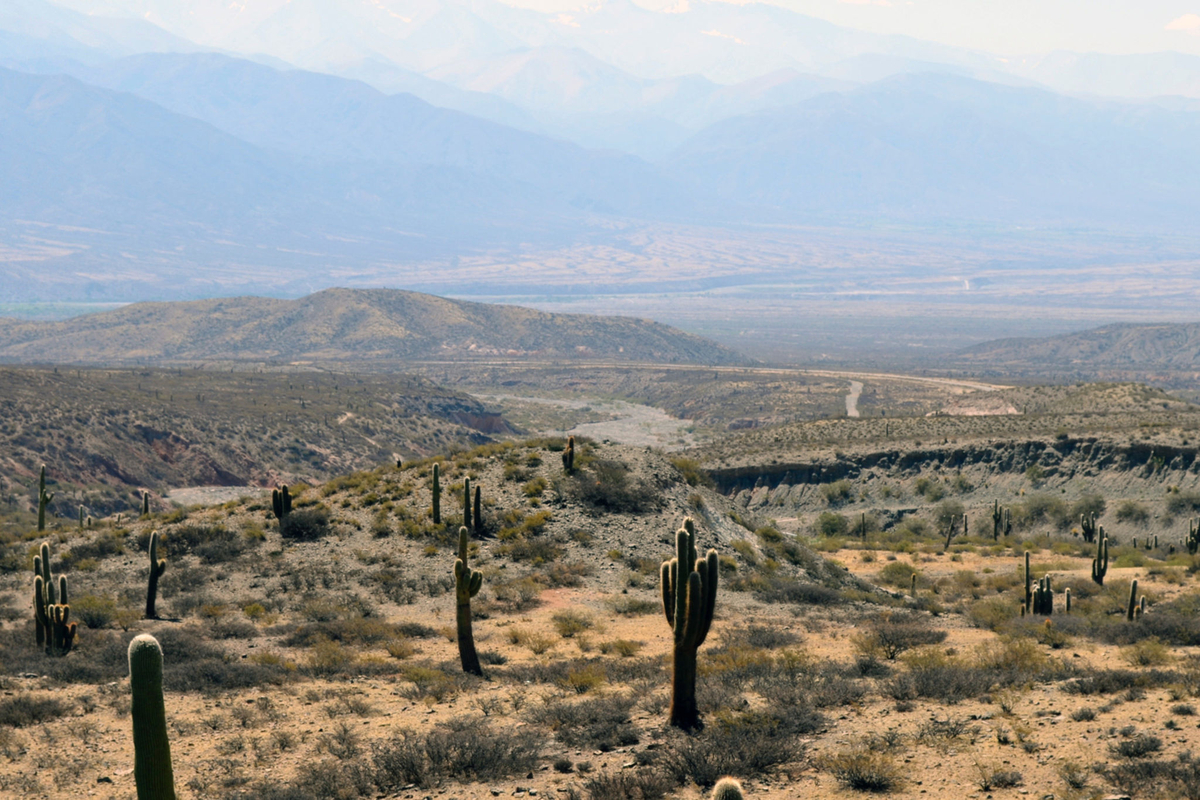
81	515
467	583
157	568
1067	596
862	525
151	747
1001	520
478	519
913	585
689	591
1087	524
281	502
1132	600
1100	562
145	503
727	789
467	503
1028	584
1043	598
51	609
568	456
1193	539
437	496
44	499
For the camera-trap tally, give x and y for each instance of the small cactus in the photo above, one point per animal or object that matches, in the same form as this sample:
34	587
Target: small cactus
1067	596
478	518
727	789
44	499
157	568
1100	562
467	583
689	592
1087	524
467	504
437	496
568	456
151	748
281	502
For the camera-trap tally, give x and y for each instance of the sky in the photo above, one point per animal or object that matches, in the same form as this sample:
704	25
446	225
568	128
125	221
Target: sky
1008	27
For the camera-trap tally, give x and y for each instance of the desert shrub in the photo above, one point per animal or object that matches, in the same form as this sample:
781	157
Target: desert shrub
830	523
212	544
1146	653
1112	681
838	492
628	606
1043	509
998	778
1147	778
1139	746
899	574
94	611
747	746
570	621
889	635
693	474
306	525
1133	512
763	637
601	723
1087	504
945	512
469	750
864	771
1183	502
23	710
606	487
790	590
645	784
103	545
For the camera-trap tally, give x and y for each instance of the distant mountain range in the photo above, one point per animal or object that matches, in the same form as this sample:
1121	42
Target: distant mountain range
364	328
1120	349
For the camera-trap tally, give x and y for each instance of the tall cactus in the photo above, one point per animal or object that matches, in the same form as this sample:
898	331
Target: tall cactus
145	504
1028	584
437	496
467	503
1043	598
568	456
997	518
1100	562
51	608
1193	539
151	747
81	515
157	568
467	583
44	499
1132	600
1067	597
281	502
478	512
1087	524
689	591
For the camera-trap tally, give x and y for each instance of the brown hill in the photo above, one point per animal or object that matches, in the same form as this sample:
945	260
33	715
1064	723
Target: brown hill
1120	348
366	327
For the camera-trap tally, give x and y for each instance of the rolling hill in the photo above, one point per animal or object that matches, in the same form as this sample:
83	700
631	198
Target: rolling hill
1121	347
364	328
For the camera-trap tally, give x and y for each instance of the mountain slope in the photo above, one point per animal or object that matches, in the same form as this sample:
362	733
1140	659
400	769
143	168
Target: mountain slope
939	146
1123	346
346	326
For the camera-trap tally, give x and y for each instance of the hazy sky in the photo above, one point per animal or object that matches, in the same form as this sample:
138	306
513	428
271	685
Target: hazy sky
1000	26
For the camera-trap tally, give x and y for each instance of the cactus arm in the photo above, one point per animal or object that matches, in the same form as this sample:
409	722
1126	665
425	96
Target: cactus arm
709	569
157	568
667	583
152	749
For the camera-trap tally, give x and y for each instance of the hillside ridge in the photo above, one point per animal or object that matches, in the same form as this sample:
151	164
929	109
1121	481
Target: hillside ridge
364	326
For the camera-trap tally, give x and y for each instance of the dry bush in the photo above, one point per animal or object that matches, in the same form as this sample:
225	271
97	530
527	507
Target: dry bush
864	771
601	723
468	750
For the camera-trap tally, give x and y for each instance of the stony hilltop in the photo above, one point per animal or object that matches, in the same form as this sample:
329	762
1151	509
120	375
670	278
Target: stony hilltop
368	328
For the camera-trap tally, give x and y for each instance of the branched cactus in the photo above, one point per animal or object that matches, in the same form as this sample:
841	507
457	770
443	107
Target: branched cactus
281	502
1132	601
1087	524
157	568
44	499
568	456
1100	562
51	609
467	583
437	495
1043	598
689	591
727	789
1001	521
151	748
478	518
